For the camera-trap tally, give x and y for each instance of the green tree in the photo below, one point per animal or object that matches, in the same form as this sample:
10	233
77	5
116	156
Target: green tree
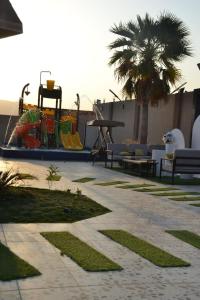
144	57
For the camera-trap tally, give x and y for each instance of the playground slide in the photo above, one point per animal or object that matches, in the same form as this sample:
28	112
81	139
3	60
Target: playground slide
71	141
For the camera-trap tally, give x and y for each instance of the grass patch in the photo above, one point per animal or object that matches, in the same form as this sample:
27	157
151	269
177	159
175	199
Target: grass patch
110	183
53	178
13	267
84	179
196	204
134	186
185	198
85	256
155	190
147	190
150	252
186	236
175	194
31	205
23	176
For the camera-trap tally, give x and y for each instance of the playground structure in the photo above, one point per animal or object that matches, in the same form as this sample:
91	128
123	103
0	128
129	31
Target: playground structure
42	127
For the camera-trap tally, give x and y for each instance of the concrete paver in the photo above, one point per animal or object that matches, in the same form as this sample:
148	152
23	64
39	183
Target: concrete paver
141	214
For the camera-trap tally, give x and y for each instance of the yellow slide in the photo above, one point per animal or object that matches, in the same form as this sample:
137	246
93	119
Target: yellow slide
71	141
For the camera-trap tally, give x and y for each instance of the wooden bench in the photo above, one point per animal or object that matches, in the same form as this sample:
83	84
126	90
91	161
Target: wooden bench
144	166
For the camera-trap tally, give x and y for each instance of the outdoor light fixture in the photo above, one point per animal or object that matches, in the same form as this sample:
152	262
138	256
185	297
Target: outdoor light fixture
10	24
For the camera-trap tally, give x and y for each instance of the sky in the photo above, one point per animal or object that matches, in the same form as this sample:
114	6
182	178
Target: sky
70	38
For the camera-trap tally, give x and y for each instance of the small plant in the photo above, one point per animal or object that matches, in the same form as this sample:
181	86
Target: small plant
169	155
53	170
53	174
78	192
8	178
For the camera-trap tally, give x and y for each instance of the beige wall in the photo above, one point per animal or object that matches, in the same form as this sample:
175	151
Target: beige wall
162	118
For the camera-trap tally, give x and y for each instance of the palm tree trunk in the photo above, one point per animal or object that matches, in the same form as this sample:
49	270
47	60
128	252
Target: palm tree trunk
144	123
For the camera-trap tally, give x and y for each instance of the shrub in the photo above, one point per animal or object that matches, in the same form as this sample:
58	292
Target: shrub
8	178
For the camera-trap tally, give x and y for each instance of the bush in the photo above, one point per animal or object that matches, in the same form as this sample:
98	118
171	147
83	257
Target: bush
8	178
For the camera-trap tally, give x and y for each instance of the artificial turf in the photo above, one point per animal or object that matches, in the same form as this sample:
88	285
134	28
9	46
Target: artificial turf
186	236
134	186
31	205
155	189
84	179
196	204
13	267
150	252
27	176
85	256
110	183
185	198
175	194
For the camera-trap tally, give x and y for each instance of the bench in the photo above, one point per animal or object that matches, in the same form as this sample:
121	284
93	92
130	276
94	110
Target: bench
185	161
144	166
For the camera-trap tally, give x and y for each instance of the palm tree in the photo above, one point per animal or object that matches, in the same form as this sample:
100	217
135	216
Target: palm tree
144	58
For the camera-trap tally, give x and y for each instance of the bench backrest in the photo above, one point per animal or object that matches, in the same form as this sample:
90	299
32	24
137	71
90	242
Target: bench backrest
117	148
187	157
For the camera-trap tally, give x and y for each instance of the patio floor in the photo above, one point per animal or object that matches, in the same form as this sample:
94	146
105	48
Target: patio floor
141	214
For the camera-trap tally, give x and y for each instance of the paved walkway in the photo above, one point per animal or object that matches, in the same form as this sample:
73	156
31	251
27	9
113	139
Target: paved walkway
143	215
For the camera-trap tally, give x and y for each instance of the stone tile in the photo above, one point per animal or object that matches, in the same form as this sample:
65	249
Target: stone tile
23	236
41	255
10	295
8	286
52	294
55	278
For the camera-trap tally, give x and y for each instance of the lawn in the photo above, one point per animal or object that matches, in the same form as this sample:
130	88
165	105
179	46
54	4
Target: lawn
13	267
31	205
150	252
84	255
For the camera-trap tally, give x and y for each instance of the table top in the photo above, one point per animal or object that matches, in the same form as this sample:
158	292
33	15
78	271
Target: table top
140	161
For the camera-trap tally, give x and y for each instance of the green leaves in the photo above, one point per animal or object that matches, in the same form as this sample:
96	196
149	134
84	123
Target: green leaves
145	54
8	178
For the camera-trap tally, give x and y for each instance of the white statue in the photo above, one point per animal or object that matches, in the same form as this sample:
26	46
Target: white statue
173	140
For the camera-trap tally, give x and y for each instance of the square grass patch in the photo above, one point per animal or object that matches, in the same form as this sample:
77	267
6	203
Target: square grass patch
32	205
108	183
185	198
13	267
53	178
134	186
148	251
176	194
186	236
147	190
85	256
84	179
